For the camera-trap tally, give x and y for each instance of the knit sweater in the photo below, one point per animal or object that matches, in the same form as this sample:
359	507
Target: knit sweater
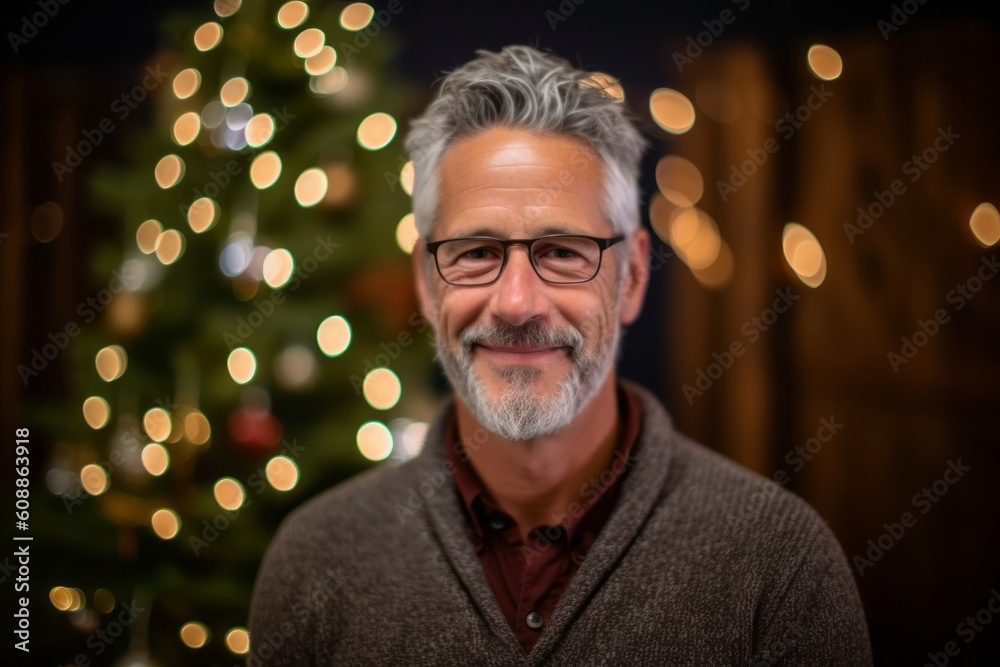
701	562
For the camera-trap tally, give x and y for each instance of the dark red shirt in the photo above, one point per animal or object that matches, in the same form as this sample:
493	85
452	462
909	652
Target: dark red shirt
528	579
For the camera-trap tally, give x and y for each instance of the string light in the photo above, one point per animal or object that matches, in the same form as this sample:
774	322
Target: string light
155	459
226	8
381	388
671	110
824	62
309	42
165	523
374	441
322	62
406	233
282	473
333	336
804	254
169	246
406	175
94	479
238	641
194	634
202	214
259	130
169	171
96	412
186	128
292	14
229	493
985	224
242	365
196	428
265	170
111	362
278	267
207	36
186	83
310	187
356	16
376	131
679	180
234	91
157	424
607	84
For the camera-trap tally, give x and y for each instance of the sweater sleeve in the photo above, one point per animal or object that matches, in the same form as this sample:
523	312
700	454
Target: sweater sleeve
817	619
282	616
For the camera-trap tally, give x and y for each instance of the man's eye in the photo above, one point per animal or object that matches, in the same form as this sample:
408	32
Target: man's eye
478	253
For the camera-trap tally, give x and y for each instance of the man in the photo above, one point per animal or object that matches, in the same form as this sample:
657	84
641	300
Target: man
553	517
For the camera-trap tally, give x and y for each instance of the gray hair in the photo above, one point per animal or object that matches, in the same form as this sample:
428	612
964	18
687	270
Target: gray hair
522	87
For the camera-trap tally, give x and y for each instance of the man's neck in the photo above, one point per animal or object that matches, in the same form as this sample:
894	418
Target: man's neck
536	482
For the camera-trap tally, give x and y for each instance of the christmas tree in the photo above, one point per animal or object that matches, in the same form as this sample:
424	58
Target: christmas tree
256	332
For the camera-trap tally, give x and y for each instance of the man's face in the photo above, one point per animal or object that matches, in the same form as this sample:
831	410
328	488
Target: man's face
524	355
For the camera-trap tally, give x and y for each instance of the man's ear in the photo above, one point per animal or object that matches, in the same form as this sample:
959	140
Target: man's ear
424	297
637	276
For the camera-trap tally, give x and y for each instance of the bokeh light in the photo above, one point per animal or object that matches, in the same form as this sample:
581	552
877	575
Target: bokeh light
169	171
259	130
194	634
234	91
356	16
824	62
679	180
804	254
165	523
376	131
96	412
203	214
186	128
242	365
322	62
292	14
155	459
406	175
111	362
186	83
282	473
671	110
310	187
229	493
278	268
94	479
985	224
265	170
309	42
169	246
374	441
381	388
333	336
238	641
406	233
207	36
157	424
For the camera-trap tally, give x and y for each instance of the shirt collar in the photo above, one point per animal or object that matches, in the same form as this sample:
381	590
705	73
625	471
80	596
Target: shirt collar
479	505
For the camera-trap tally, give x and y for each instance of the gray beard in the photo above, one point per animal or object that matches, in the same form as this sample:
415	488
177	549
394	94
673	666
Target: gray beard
519	414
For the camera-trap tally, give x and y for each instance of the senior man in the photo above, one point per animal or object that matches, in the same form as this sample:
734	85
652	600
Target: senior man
553	516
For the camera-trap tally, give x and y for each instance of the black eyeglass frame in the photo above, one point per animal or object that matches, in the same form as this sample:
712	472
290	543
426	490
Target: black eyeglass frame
602	243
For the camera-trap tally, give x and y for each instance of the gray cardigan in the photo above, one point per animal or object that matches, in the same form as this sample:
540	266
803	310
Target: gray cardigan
701	562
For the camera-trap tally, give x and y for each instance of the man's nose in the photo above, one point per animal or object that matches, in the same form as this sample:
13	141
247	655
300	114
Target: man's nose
519	294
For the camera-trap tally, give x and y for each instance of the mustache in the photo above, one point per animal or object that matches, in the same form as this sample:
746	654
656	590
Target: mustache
530	334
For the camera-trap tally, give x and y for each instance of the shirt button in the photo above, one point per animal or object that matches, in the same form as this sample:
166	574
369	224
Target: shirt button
534	620
497	523
578	555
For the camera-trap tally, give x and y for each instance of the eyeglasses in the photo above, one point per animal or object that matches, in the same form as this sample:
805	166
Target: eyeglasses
561	258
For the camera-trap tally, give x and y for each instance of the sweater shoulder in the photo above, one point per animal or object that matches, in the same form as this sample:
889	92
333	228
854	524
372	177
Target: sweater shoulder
731	498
